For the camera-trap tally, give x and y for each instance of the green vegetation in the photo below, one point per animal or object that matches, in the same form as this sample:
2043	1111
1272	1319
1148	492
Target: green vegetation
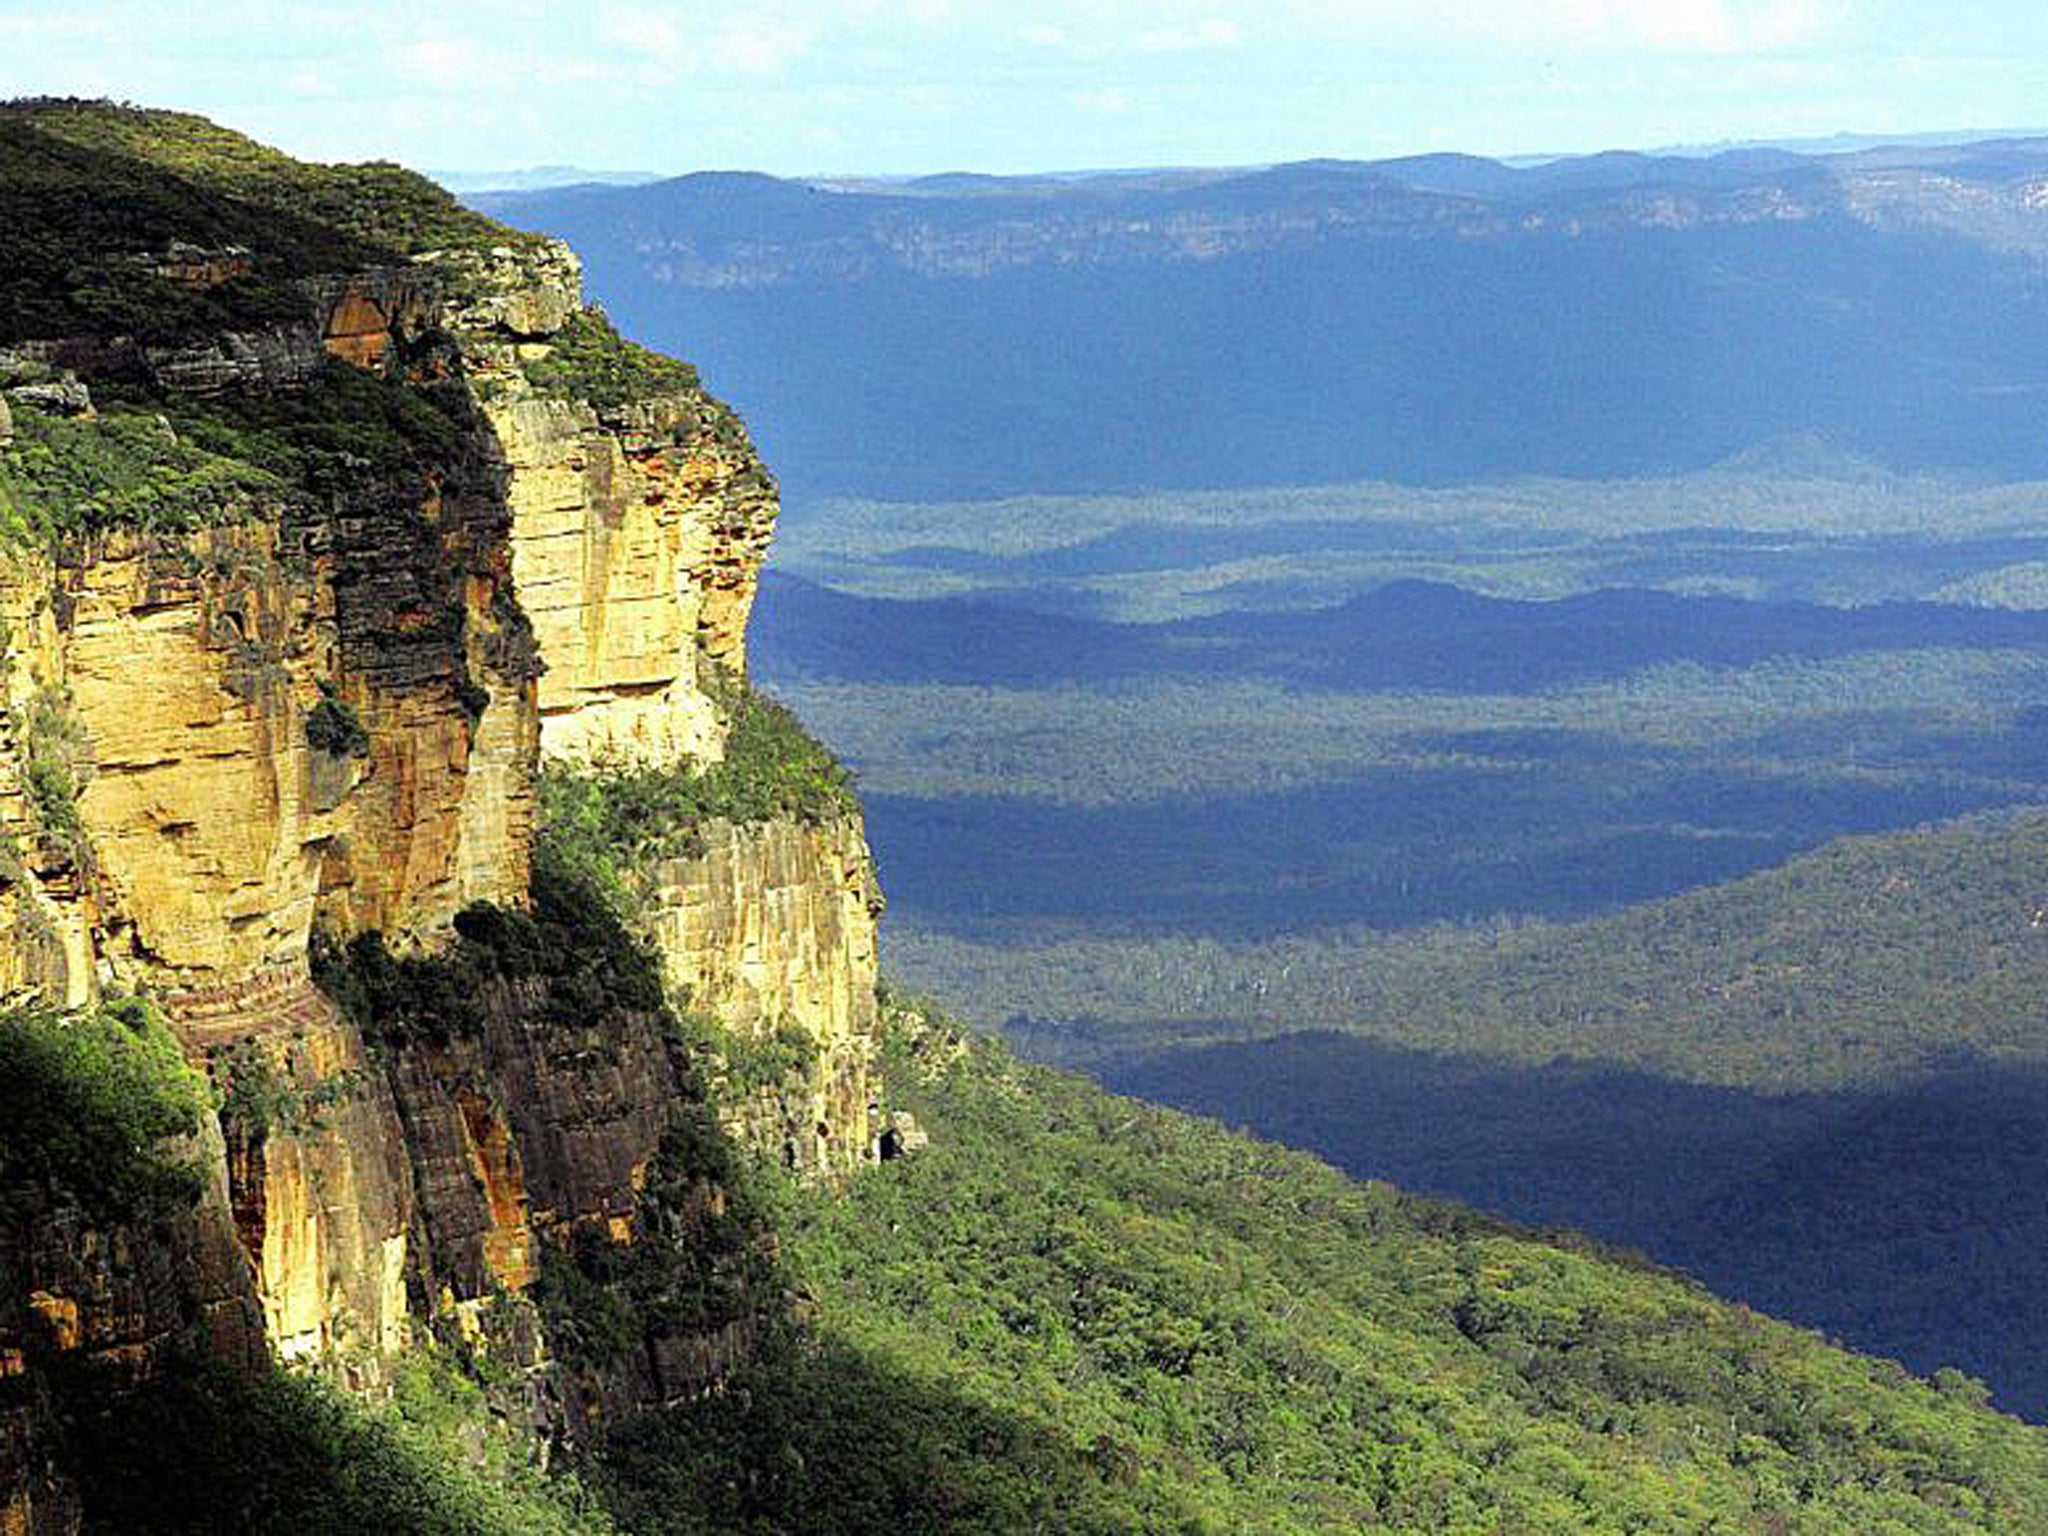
257	1094
1077	1313
1903	713
589	360
92	193
570	941
99	1106
1571	910
1904	1220
64	478
347	431
610	821
767	1060
57	758
177	462
378	203
334	727
699	1264
204	1451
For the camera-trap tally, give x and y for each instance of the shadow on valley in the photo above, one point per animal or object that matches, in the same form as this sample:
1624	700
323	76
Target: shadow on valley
1392	848
1910	1222
1403	635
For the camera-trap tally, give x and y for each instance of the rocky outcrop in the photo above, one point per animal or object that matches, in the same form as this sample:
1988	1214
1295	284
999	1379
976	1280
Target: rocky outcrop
634	547
372	318
185	671
770	930
639	529
320	1183
503	294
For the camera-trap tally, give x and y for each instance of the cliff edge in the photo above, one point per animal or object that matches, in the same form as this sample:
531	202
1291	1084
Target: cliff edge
335	527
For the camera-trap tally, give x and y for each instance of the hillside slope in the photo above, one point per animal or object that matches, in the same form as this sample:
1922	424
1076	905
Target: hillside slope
1174	1328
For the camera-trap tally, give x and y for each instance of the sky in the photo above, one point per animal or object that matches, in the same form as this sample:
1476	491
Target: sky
809	87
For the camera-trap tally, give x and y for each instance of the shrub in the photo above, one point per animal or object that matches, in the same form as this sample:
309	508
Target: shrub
754	1062
57	756
610	821
96	1104
127	469
333	727
589	360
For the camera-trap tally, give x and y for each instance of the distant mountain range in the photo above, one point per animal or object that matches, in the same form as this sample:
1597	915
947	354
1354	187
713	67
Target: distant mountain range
536	178
1436	318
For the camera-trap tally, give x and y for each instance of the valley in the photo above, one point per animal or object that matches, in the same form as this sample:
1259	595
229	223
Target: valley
1545	708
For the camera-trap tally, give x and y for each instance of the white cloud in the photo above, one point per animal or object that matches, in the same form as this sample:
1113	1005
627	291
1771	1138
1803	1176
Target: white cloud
653	46
436	60
1211	32
1691	26
1112	102
1655	26
642	31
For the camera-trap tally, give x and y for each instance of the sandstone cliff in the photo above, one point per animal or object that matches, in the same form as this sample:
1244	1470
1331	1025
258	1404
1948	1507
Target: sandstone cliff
357	551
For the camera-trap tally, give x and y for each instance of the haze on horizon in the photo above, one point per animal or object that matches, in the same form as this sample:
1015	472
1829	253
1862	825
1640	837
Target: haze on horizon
812	87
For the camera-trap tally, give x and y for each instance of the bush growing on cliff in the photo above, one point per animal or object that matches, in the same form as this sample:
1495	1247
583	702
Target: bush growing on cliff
97	1103
589	360
766	1060
610	820
57	759
333	726
570	941
344	432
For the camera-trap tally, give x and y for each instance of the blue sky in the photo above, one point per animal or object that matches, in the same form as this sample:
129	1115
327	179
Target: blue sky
806	86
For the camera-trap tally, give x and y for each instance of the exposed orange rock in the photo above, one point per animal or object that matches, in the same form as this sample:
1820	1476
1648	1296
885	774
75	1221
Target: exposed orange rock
637	564
495	1161
60	1318
358	332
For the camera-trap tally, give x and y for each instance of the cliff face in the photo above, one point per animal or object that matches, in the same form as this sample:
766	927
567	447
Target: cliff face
771	930
637	536
320	711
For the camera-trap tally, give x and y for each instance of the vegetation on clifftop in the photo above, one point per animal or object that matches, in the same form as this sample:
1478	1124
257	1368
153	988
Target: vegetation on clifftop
62	478
92	191
377	201
589	360
610	820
